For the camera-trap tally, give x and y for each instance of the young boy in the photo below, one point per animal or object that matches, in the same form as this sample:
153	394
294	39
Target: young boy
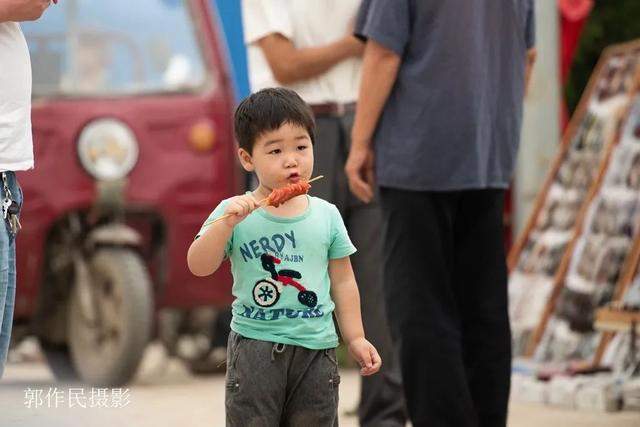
291	268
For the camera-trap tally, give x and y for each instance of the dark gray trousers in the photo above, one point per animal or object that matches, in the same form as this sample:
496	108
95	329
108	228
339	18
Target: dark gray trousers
270	385
381	398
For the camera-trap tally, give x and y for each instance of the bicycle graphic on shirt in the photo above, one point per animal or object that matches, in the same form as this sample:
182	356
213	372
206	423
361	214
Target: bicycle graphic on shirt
266	292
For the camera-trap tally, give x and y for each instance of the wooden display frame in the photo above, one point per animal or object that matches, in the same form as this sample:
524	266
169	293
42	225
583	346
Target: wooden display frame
565	144
608	145
614	321
630	271
619	320
561	274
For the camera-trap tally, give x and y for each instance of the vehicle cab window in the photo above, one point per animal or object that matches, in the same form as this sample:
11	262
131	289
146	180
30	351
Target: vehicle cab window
115	47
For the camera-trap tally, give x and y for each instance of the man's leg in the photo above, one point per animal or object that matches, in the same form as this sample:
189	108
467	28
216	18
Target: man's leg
326	158
381	395
423	311
7	279
481	286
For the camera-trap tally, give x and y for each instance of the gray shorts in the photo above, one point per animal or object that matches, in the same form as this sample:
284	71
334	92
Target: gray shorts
270	384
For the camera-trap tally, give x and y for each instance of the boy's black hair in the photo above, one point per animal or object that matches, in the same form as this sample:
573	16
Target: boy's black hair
267	110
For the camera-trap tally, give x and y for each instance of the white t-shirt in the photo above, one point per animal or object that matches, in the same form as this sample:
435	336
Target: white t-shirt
16	145
307	23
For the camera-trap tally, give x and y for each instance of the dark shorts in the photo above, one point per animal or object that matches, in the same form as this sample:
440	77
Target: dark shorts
269	384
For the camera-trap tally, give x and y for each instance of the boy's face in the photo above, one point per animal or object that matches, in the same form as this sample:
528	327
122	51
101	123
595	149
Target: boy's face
280	157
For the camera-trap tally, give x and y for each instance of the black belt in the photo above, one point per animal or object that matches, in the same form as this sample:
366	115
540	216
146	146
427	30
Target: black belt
333	109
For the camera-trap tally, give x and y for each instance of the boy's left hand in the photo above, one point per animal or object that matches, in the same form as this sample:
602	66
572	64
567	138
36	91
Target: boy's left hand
366	355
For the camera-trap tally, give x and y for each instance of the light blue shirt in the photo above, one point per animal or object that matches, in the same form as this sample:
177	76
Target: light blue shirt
267	305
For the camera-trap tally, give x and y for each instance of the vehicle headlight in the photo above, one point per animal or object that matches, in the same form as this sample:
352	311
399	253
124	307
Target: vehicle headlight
107	149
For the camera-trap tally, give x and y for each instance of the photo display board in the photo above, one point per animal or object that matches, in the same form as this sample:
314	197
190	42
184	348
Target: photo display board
615	349
601	248
568	261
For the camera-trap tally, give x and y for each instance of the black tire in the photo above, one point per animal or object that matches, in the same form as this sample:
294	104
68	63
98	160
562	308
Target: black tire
308	298
206	366
214	362
59	360
124	295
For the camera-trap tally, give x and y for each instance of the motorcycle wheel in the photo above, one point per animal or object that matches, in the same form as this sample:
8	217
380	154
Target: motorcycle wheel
59	361
107	349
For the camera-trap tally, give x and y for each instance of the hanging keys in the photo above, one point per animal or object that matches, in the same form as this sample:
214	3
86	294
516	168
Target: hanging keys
14	208
6	204
10	208
14	224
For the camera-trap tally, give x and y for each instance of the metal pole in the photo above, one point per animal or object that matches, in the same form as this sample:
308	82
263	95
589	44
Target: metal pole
541	122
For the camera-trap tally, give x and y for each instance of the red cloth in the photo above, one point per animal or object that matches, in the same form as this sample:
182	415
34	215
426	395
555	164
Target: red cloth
573	16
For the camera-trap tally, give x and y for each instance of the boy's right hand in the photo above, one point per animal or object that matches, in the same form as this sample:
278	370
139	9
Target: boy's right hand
240	207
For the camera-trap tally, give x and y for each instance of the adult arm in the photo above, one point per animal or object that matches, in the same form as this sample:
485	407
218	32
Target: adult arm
22	10
268	25
532	54
379	72
530	41
387	28
290	64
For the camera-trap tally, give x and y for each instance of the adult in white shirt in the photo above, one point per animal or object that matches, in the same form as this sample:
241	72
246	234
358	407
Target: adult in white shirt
16	147
308	46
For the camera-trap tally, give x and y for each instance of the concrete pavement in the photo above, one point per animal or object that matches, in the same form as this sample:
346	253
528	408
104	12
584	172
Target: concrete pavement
164	393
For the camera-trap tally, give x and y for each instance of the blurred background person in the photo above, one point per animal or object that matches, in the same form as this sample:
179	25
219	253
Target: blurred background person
16	145
441	99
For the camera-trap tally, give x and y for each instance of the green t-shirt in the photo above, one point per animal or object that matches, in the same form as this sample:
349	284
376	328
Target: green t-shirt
280	272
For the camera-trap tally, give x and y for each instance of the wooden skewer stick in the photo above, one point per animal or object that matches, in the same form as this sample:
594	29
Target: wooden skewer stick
260	202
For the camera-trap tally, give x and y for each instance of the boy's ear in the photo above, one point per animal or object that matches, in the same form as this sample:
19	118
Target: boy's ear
245	160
